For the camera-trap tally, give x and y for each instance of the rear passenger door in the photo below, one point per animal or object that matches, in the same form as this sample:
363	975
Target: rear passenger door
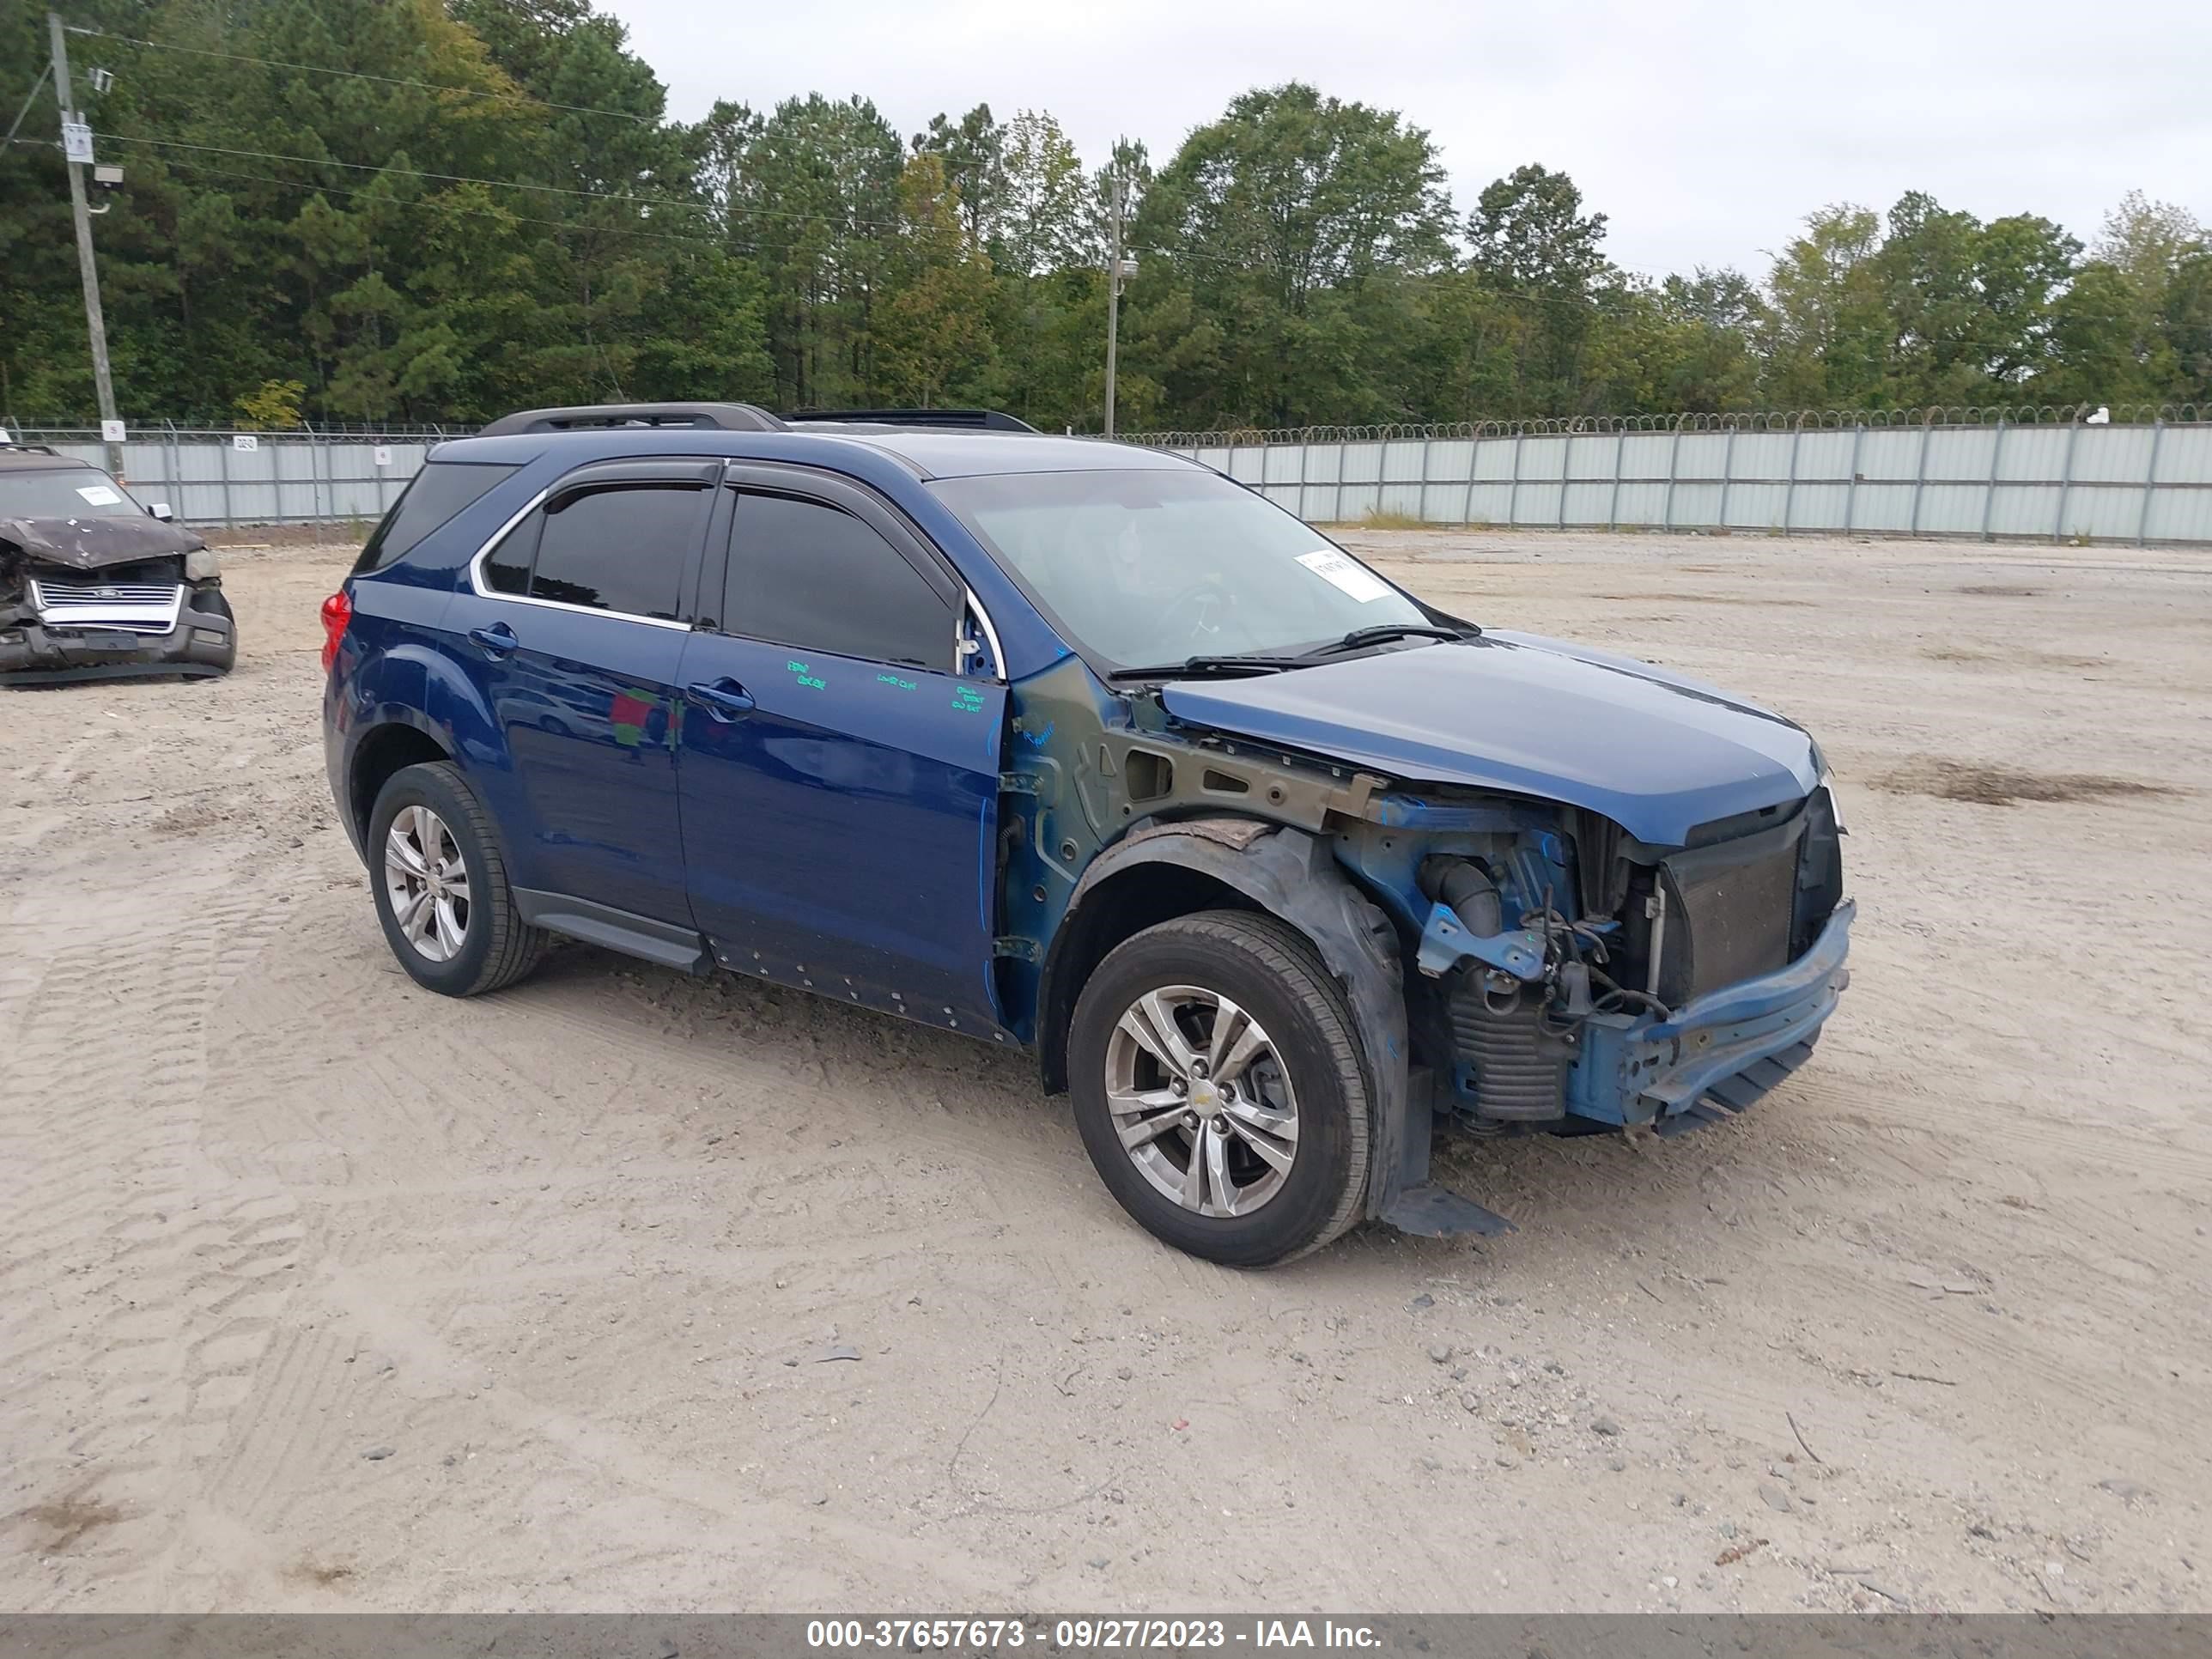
839	777
571	626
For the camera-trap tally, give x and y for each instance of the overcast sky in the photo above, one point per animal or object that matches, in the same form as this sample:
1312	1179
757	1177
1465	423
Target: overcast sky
1705	131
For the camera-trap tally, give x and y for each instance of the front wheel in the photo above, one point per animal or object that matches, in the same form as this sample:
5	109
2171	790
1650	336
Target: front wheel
1218	1088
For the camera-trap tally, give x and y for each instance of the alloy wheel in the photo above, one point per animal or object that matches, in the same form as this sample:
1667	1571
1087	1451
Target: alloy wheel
428	883
1201	1100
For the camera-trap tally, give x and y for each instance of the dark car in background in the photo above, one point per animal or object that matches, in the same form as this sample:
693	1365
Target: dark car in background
93	585
1086	749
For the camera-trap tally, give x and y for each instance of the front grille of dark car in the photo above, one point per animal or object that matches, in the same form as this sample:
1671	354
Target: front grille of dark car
97	601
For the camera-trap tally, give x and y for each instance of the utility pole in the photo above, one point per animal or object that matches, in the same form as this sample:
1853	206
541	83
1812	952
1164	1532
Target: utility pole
95	323
1113	298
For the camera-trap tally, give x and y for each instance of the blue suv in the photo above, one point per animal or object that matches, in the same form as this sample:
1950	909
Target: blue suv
1088	750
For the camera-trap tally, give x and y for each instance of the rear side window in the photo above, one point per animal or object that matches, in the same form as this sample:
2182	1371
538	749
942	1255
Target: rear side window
803	574
621	549
438	492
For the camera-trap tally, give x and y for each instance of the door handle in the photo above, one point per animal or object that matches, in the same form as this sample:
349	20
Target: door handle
722	699
497	640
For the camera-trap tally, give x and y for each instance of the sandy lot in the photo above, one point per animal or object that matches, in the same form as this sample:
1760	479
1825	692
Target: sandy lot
318	1292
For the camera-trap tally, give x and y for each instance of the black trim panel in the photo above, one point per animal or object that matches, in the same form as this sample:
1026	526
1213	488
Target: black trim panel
618	929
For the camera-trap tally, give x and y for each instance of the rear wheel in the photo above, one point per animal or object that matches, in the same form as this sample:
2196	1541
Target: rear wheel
1218	1087
441	888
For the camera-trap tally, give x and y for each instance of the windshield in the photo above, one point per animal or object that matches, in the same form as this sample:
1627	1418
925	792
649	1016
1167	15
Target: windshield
73	492
1145	567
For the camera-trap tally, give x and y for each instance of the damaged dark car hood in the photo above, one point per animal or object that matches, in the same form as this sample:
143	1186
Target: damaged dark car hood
95	541
1656	753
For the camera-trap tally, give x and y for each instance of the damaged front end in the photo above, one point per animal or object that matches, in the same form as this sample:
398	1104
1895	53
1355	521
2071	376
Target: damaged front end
1572	978
1513	964
109	597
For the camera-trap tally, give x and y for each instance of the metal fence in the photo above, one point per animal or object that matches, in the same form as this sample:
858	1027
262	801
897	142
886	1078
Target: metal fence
2085	479
2117	475
212	477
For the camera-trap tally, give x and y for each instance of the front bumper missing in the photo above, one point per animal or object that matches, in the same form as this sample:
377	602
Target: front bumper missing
1720	1054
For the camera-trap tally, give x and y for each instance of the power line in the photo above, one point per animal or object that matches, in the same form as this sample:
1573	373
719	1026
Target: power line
360	75
413	173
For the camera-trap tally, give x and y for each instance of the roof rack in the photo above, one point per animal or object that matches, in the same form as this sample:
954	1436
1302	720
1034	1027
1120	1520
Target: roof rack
721	417
966	420
34	449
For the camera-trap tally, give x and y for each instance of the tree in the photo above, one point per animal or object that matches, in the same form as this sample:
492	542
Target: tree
1826	330
972	152
1528	232
1280	217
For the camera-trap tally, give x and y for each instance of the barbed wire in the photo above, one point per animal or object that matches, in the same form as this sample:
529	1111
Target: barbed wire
64	430
80	430
1796	420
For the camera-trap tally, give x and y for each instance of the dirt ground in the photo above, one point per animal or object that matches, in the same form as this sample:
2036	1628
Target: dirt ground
318	1292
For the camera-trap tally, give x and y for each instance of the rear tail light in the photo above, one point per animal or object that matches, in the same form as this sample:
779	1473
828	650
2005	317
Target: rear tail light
338	611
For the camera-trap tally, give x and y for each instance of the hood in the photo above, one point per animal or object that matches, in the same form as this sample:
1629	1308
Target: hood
94	542
1656	753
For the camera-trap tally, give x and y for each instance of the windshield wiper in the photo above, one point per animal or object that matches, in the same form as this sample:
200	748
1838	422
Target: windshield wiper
1195	667
1381	633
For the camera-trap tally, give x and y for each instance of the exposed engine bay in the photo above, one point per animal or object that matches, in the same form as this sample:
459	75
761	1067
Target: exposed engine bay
1566	969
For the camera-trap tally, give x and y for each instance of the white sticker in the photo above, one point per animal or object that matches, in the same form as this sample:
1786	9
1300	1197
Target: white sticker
244	440
112	432
98	495
1333	568
383	454
4	438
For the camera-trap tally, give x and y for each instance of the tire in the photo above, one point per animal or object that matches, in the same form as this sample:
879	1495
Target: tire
1270	974
480	942
211	601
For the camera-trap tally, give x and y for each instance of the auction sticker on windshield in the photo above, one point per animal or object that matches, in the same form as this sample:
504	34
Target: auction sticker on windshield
99	496
1333	568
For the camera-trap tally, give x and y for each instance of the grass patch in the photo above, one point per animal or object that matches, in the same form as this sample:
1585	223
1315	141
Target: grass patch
1376	519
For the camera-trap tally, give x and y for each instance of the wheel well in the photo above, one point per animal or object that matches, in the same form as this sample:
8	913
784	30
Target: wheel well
387	749
1119	908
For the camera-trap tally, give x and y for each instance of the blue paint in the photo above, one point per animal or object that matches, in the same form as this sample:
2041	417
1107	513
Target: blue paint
1654	755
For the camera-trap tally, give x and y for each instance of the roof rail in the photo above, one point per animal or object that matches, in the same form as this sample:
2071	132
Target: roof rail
36	449
721	417
966	420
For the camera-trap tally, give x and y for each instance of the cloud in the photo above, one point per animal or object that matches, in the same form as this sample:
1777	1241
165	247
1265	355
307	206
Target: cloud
1705	131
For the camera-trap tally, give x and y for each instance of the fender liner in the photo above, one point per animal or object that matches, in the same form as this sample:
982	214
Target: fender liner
1292	874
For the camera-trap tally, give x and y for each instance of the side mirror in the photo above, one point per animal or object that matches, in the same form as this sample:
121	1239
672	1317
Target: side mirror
161	510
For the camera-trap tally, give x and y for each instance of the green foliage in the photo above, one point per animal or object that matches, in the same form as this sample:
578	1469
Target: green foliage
273	406
483	205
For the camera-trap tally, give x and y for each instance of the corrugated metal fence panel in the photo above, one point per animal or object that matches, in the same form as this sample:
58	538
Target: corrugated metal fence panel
2184	456
2059	482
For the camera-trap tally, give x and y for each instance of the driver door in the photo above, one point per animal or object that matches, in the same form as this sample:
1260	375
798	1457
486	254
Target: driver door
838	777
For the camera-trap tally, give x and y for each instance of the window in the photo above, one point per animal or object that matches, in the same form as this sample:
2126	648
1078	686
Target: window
807	574
78	492
619	548
1146	566
437	494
